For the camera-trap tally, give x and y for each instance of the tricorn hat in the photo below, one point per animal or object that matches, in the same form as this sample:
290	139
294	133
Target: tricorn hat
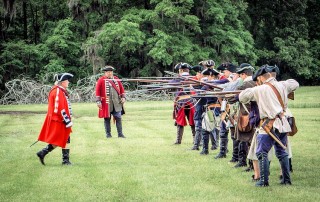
182	65
197	68
62	77
107	68
206	72
215	72
228	66
209	63
243	67
210	72
265	69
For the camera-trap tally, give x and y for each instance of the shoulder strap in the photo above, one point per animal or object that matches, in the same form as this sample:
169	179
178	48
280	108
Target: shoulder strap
277	94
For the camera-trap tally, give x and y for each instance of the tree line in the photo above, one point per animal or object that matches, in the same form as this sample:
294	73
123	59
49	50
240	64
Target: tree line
145	37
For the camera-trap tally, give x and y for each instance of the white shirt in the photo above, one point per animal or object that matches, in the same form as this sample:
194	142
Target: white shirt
268	103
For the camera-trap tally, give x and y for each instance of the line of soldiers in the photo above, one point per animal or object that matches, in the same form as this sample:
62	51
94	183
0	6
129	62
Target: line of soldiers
244	114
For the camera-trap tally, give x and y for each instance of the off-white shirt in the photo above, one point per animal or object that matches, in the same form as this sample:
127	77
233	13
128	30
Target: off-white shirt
268	103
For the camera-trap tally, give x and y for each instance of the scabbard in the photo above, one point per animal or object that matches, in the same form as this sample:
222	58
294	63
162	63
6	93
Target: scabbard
267	126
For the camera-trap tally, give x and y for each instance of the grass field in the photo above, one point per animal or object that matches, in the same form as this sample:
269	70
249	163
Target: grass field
145	166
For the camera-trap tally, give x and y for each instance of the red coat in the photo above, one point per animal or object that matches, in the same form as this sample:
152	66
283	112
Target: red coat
54	130
102	93
179	113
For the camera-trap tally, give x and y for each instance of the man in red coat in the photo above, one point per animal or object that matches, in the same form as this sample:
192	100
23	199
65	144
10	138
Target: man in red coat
183	109
57	125
110	97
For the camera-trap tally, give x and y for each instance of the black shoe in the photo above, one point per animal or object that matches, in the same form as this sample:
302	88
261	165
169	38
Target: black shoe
109	136
262	184
121	136
285	183
195	148
255	180
233	160
204	152
220	155
240	164
66	163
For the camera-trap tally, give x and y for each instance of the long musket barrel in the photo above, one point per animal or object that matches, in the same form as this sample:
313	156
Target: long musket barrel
194	80
222	94
162	88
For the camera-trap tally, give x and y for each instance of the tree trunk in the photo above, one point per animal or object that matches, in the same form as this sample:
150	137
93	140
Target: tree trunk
25	20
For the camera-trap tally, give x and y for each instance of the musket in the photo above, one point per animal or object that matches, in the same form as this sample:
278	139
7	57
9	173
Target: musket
194	80
223	92
218	94
154	77
165	84
162	88
140	80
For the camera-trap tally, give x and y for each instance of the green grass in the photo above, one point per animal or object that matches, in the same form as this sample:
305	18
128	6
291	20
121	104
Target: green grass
145	166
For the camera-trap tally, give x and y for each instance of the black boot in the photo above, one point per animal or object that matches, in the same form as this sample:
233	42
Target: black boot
197	139
284	162
235	152
179	134
119	128
65	157
223	148
107	127
205	138
264	170
243	150
41	154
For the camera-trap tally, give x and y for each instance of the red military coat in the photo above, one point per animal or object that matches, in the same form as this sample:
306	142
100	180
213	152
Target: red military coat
179	113
103	92
54	129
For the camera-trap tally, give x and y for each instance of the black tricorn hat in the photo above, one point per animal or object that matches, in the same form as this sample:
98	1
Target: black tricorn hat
206	72
182	65
265	69
63	76
215	72
107	68
243	67
210	72
197	68
228	66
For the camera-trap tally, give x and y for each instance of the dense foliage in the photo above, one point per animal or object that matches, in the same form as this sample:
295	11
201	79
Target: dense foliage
145	37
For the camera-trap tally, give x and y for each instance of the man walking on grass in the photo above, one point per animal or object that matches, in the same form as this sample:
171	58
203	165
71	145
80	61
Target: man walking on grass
110	97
